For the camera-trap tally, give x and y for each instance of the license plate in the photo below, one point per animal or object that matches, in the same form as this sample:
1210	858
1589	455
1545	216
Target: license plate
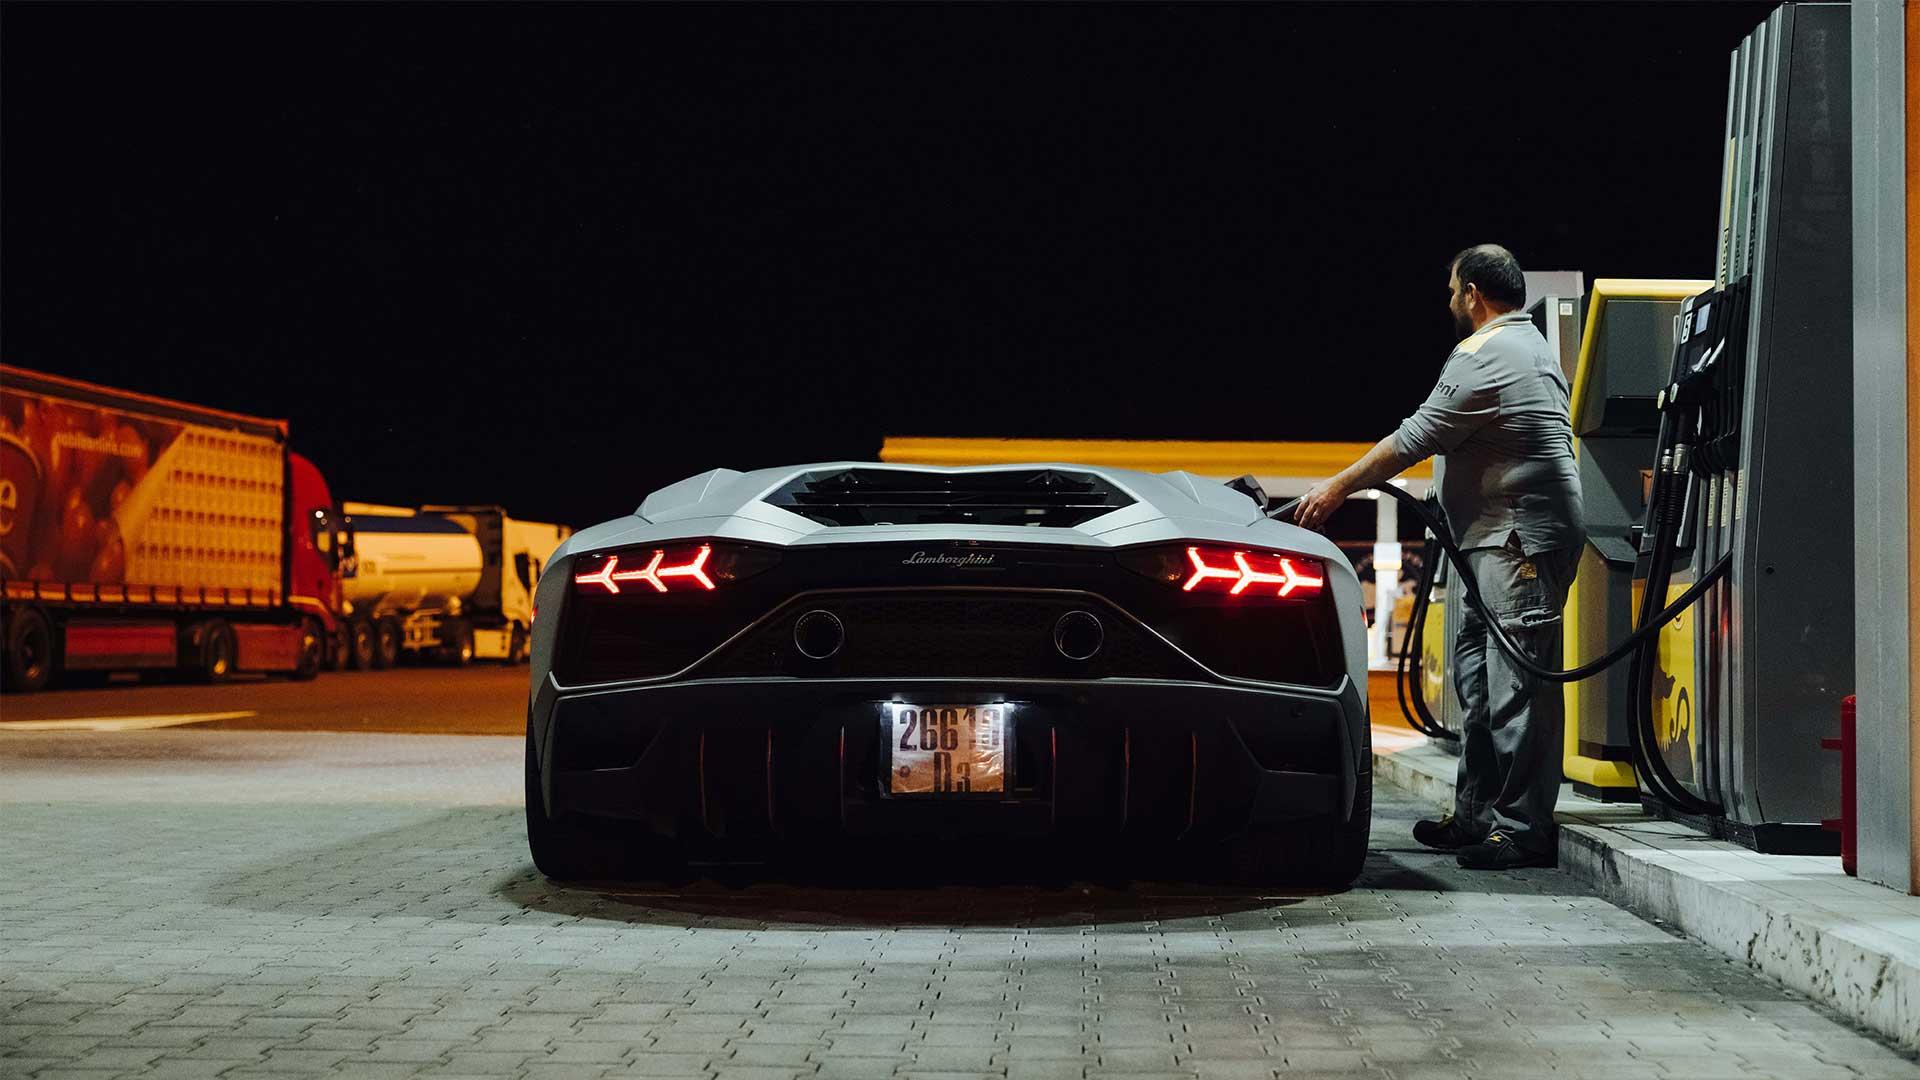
947	749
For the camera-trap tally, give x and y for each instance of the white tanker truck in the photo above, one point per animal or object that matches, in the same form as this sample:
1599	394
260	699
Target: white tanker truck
445	583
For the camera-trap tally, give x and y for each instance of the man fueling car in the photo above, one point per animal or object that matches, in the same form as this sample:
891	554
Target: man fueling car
1498	420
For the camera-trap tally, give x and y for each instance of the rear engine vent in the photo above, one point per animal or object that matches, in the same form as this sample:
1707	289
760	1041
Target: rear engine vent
1052	498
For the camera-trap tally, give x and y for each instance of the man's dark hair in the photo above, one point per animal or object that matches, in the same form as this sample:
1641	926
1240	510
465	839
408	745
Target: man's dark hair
1495	270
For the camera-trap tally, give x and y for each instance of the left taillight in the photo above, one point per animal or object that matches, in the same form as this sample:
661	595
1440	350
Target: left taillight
1242	573
699	566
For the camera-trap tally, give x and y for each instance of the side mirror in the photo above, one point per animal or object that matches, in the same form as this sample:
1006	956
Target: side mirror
1248	486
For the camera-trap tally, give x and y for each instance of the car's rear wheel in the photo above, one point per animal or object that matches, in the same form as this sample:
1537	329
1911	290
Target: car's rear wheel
1323	852
577	847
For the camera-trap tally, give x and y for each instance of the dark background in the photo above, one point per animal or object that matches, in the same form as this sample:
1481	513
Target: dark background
557	256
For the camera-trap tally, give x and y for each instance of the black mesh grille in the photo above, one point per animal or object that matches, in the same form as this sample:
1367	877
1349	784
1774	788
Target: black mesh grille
950	635
1033	497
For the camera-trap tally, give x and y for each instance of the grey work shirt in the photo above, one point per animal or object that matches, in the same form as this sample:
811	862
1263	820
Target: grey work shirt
1498	418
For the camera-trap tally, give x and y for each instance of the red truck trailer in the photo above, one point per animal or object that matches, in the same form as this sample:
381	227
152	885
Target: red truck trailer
138	533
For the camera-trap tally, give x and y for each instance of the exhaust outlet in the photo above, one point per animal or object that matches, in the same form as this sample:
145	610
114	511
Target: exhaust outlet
1078	635
818	634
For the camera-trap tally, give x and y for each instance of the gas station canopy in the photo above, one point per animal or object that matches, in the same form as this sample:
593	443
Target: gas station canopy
1285	469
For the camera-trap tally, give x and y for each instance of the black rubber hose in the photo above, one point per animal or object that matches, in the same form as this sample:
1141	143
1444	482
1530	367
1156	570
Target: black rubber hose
1651	765
1652	768
1413	652
1498	633
1667	503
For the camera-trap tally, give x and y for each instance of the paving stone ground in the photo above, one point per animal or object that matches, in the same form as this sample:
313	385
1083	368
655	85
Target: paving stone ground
153	927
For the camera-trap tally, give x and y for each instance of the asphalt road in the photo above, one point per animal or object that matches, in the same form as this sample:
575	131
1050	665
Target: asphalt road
484	699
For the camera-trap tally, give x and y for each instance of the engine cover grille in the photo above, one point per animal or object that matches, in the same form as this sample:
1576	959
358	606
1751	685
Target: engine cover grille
957	633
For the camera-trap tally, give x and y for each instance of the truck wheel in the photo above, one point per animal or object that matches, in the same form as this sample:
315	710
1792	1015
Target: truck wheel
520	650
458	650
312	645
28	662
218	652
360	645
386	644
333	649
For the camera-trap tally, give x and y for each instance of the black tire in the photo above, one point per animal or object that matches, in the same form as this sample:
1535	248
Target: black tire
456	649
571	847
360	645
313	644
219	652
1322	852
519	647
576	847
386	644
28	663
333	649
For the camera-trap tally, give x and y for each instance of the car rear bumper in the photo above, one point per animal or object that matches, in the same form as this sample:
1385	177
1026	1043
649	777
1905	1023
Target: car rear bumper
739	761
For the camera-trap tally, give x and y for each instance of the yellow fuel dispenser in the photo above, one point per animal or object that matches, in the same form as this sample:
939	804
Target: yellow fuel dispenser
1625	352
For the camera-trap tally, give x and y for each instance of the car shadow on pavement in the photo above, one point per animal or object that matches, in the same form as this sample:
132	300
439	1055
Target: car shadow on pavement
980	890
470	864
786	902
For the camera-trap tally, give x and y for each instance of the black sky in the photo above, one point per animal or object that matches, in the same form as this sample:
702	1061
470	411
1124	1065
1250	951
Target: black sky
557	256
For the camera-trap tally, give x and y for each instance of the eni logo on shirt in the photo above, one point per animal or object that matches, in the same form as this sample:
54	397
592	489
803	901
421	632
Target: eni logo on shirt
1447	388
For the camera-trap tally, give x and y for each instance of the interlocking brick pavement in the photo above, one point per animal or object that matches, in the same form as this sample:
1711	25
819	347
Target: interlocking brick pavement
341	929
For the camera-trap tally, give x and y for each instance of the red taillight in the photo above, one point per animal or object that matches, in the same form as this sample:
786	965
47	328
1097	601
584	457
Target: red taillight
656	573
1293	575
679	568
1225	571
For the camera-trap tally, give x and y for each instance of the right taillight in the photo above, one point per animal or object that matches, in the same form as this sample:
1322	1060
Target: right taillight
1241	573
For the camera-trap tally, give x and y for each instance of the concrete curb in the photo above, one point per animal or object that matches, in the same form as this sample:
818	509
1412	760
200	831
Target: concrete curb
1766	911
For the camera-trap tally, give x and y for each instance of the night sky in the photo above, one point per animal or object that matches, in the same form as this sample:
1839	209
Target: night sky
555	257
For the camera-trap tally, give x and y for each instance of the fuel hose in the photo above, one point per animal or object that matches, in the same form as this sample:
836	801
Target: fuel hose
1499	634
1652	768
1413	704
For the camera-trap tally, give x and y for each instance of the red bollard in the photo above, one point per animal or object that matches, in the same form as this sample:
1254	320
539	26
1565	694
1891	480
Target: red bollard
1848	825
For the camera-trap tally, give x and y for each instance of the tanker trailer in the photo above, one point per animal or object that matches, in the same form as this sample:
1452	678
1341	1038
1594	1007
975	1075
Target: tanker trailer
446	583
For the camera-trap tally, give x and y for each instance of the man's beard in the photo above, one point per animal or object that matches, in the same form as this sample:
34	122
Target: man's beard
1462	324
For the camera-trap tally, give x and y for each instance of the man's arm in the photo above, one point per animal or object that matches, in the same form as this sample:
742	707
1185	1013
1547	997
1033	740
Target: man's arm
1466	398
1377	465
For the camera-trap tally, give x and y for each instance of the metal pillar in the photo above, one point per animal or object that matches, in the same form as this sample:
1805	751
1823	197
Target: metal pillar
1882	455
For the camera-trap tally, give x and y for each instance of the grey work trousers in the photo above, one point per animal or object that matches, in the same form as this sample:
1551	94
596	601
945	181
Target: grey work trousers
1510	742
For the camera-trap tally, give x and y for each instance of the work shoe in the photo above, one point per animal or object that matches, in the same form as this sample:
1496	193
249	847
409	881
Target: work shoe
1499	852
1447	834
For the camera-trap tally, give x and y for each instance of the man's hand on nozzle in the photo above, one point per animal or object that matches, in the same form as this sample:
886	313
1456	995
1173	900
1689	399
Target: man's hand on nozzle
1319	503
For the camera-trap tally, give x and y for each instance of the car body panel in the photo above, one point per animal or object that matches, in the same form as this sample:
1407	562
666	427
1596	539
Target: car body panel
728	505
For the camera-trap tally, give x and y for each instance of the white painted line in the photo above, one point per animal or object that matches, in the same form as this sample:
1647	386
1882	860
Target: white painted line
120	723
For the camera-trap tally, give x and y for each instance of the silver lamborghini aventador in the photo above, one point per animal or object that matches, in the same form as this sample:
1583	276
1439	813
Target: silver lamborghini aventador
751	663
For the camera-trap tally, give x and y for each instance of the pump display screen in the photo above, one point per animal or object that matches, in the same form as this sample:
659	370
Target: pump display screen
1700	318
